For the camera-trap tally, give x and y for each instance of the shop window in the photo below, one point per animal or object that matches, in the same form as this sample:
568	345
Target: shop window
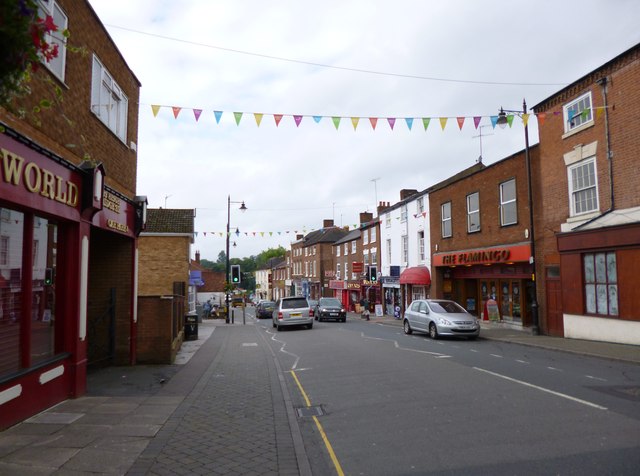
445	211
508	204
55	65
577	113
473	212
601	283
418	292
108	102
583	188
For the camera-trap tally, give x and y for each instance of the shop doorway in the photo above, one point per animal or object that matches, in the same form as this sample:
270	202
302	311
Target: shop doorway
510	300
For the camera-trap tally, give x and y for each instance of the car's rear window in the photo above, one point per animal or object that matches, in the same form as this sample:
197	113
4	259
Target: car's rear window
268	305
294	303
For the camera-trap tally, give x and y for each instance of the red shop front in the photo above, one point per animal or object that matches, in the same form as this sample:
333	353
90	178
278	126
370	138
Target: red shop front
53	227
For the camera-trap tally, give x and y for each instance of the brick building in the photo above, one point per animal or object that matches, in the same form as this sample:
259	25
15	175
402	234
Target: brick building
588	215
165	295
67	195
480	243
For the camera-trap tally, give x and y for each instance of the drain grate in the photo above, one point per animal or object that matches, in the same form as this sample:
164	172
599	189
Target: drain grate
308	412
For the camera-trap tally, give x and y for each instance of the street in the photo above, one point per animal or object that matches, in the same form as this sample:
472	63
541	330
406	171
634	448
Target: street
387	403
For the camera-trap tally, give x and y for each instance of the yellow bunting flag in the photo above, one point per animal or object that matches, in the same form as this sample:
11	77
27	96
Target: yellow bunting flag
355	121
443	122
155	110
525	119
258	117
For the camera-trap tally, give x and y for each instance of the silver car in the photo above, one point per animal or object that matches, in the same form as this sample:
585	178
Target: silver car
440	317
292	311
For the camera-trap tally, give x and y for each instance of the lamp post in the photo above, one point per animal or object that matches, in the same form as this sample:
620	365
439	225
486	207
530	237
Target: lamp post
228	264
502	122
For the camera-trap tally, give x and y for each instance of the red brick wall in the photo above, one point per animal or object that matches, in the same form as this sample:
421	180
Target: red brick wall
155	344
83	129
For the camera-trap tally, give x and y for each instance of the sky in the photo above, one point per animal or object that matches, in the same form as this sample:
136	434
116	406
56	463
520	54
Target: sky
338	58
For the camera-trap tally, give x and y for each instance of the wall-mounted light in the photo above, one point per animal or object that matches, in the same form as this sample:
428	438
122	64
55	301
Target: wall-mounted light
141	213
92	188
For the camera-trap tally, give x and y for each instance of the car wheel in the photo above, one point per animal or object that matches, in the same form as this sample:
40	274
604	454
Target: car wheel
344	319
310	326
407	327
273	324
278	328
433	331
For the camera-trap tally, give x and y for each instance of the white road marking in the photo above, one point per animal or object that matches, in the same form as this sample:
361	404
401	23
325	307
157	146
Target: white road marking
496	355
596	378
522	361
297	359
399	347
542	389
553	368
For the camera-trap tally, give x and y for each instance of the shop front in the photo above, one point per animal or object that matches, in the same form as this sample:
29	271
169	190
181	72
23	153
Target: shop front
56	310
492	283
415	284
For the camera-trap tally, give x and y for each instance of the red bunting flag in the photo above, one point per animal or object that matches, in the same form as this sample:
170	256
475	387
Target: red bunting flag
374	122
176	111
278	118
460	122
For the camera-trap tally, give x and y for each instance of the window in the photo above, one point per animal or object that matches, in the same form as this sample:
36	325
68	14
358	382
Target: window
338	251
366	258
404	248
387	220
108	102
420	205
508	204
473	212
365	237
421	245
374	257
601	283
578	113
346	271
4	250
582	187
346	249
403	213
353	247
337	270
373	235
55	65
306	251
446	219
389	251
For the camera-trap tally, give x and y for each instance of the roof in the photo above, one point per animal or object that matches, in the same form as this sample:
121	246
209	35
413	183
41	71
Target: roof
170	220
325	235
352	235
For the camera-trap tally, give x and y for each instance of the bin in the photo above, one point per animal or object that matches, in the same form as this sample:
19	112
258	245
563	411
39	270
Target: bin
191	327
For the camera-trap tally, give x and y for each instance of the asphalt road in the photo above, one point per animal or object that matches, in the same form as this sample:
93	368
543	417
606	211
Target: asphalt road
373	401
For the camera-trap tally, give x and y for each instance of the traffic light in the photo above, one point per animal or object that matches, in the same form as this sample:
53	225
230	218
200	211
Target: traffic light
48	276
235	274
373	273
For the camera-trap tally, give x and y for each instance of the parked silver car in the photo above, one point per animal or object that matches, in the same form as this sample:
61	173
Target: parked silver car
440	317
292	311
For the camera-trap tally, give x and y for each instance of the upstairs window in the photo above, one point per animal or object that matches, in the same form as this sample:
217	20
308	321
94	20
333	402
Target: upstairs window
387	220
108	102
365	237
578	113
373	235
446	219
420	205
508	204
421	245
473	212
405	249
403	213
583	187
353	247
51	8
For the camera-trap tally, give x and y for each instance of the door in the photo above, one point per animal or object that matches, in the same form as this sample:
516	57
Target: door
553	302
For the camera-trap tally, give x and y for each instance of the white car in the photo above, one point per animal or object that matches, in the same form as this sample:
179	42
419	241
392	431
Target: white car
440	317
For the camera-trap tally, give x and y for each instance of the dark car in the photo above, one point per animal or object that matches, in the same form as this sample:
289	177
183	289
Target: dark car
264	309
330	308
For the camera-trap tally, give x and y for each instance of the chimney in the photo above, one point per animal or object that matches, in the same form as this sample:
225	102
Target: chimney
327	223
406	193
198	257
382	206
299	237
365	217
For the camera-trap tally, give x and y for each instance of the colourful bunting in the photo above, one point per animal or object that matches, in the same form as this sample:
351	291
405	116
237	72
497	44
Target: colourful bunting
354	122
476	121
238	116
374	122
425	122
460	122
298	120
391	121
278	118
443	122
336	121
176	111
258	117
196	113
218	115
155	109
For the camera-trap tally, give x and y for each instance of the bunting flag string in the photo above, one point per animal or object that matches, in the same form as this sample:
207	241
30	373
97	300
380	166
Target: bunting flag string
304	229
391	121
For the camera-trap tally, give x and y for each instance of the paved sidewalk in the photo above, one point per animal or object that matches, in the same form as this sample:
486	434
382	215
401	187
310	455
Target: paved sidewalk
223	409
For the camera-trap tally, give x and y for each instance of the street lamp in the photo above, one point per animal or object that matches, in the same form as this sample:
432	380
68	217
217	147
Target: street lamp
243	208
502	122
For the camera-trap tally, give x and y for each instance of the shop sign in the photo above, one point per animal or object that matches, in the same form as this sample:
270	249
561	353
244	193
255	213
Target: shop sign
487	256
336	284
353	286
35	177
369	283
357	267
330	274
117	214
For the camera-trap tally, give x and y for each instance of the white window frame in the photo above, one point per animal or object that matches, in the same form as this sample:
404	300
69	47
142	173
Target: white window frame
108	102
575	192
346	249
473	214
578	113
508	204
365	237
346	270
338	251
373	237
447	225
420	205
353	247
338	271
421	245
387	220
389	251
403	213
404	248
57	65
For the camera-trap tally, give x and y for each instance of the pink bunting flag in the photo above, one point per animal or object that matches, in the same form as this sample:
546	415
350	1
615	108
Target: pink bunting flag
374	122
278	118
298	120
154	110
460	122
176	111
196	113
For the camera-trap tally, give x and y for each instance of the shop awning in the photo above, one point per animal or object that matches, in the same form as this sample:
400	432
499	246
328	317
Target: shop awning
417	275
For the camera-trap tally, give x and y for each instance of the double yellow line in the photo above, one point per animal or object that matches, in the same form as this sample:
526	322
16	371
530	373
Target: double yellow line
307	402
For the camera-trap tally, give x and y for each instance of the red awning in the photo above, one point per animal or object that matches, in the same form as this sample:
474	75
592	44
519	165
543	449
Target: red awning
417	275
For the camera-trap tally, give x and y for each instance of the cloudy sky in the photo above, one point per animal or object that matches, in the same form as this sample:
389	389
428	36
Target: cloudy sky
338	58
